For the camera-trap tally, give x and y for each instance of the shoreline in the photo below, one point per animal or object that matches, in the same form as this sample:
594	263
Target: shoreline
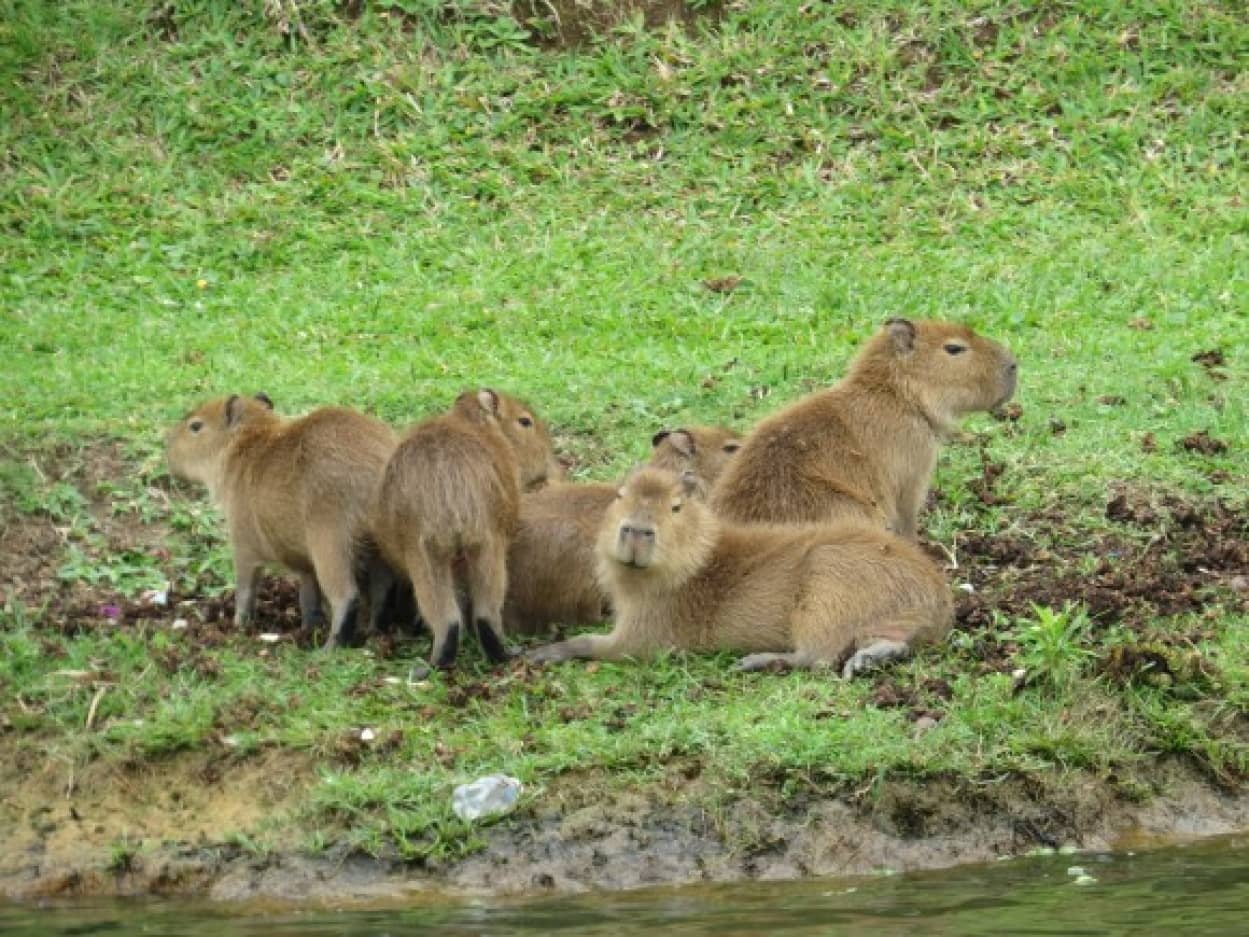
641	838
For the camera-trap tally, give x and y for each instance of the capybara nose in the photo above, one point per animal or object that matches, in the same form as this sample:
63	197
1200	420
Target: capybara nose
642	533
1012	366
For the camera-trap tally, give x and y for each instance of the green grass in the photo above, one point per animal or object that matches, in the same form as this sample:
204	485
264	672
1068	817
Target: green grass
381	212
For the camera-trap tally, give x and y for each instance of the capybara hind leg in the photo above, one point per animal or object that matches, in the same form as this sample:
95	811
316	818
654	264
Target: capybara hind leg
246	580
381	586
487	586
874	655
310	612
434	589
794	660
334	571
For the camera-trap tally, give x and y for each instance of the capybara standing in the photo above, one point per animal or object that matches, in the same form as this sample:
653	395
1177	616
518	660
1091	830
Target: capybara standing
294	492
551	565
848	595
448	506
866	447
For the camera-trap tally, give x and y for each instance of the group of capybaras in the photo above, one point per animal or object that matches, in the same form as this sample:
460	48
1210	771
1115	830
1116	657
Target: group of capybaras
795	544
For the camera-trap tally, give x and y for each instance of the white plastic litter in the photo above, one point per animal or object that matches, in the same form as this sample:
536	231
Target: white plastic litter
493	795
156	596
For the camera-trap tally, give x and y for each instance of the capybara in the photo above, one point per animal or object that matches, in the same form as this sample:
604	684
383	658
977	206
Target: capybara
848	595
866	447
296	493
551	565
449	504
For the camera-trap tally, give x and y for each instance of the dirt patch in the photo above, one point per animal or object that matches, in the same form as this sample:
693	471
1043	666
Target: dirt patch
34	544
1203	443
1165	556
117	828
1212	361
565	23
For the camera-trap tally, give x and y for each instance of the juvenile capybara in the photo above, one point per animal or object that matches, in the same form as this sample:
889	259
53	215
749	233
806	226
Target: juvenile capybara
296	493
448	505
866	447
848	595
551	564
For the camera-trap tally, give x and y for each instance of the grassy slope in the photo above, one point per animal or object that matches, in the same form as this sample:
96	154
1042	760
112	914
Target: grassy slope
383	215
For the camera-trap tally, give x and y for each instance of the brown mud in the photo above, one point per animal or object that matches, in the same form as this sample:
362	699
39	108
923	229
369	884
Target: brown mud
150	830
1157	564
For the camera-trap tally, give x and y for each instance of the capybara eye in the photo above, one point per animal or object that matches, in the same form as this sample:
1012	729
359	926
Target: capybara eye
195	426
676	508
952	348
732	446
525	422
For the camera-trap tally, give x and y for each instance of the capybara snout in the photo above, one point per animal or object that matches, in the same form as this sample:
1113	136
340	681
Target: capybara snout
635	543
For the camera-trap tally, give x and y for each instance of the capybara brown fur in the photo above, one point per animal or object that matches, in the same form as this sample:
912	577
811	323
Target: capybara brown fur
448	506
848	595
295	492
551	566
866	447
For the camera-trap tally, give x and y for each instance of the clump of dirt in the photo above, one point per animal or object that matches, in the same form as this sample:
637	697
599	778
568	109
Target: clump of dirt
569	23
1211	361
1175	556
921	702
1203	443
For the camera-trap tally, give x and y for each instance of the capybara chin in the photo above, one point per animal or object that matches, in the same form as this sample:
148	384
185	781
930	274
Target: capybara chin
295	493
866	447
448	506
551	565
849	595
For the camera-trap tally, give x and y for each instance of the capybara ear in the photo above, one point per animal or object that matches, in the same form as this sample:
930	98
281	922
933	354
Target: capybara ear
660	437
234	410
682	441
689	482
902	331
265	399
488	400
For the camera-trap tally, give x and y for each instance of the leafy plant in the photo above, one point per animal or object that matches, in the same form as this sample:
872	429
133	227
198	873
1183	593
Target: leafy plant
1055	644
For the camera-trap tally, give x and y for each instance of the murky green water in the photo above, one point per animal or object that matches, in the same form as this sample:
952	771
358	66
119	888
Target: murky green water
1201	889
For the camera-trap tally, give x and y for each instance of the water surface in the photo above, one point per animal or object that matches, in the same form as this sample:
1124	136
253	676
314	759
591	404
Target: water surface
1198	889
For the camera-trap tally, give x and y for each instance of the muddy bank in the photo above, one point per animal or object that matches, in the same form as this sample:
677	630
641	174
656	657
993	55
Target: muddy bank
151	830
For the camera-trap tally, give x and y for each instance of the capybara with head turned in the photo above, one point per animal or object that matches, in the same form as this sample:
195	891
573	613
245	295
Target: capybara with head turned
848	595
551	565
448	505
294	492
866	447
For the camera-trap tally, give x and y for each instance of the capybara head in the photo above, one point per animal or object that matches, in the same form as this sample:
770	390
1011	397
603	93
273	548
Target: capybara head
946	367
524	432
195	444
703	450
656	524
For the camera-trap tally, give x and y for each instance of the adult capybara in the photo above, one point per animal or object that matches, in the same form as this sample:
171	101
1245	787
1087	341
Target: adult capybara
295	493
448	506
848	595
552	576
866	447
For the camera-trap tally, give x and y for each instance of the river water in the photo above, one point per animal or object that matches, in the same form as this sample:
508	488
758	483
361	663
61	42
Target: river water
1198	889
